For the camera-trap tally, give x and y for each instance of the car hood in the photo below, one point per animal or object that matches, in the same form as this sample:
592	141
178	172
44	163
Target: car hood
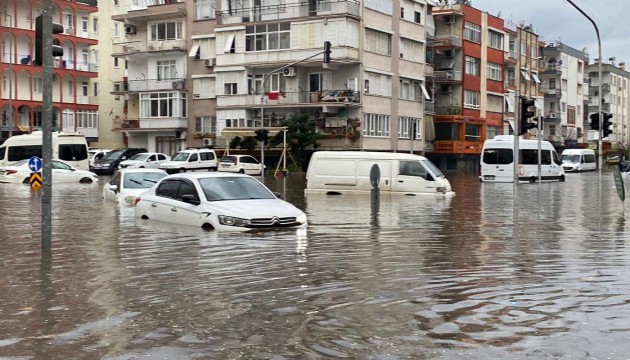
129	162
173	163
252	209
134	192
101	161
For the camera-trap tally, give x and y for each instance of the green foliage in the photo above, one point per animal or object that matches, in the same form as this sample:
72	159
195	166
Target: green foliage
248	143
236	142
301	134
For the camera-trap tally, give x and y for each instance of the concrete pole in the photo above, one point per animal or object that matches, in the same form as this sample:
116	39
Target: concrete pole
11	120
47	109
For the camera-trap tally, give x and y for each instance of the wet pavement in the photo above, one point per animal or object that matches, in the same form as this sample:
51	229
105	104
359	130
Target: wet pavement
417	278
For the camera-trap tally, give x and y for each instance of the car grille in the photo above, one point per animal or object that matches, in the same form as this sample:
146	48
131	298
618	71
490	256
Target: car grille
273	222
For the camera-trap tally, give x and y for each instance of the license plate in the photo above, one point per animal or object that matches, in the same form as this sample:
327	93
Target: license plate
489	177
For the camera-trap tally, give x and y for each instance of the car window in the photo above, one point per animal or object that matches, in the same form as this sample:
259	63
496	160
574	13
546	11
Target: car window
115	179
139	157
181	156
228	159
161	157
186	188
59	165
168	189
151	158
113	155
246	159
193	157
233	188
140	180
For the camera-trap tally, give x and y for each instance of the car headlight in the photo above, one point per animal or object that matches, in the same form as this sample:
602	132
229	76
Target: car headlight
301	219
233	221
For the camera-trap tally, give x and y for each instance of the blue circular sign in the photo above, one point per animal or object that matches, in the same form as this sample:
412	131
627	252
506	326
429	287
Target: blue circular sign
35	164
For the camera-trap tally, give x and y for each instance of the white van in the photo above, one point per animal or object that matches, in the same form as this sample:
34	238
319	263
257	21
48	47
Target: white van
338	172
69	147
497	160
576	160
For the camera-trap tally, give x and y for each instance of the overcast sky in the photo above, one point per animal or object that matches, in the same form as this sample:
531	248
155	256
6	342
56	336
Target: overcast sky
558	20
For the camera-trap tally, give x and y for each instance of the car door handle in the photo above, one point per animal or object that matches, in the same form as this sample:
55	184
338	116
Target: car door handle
173	209
400	181
153	205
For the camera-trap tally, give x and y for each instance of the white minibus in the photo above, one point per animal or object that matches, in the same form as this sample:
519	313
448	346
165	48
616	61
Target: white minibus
339	172
497	160
69	147
576	160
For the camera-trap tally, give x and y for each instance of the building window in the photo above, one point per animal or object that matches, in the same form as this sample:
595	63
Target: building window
495	40
319	81
165	104
68	120
84	24
166	31
376	125
205	9
384	6
205	125
378	42
471	99
495	103
494	72
204	88
407	125
410	90
96	90
84	88
472	32
378	84
411	50
70	88
116	29
116	62
37	85
87	119
268	37
234	123
472	66
417	17
95	25
230	89
166	70
552	83
523	48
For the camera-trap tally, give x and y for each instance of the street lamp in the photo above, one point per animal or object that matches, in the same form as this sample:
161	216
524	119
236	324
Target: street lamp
599	82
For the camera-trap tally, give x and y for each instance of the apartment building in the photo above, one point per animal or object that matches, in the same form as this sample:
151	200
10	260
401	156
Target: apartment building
468	60
614	97
75	106
523	65
565	87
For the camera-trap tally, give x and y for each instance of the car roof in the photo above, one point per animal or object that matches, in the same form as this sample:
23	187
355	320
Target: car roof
198	175
193	150
140	170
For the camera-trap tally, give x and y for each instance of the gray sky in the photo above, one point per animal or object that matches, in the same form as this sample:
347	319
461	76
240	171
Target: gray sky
559	20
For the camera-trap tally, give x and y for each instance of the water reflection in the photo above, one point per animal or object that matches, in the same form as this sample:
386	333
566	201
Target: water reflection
414	277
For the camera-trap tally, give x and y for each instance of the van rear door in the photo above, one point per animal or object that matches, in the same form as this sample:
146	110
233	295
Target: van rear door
497	164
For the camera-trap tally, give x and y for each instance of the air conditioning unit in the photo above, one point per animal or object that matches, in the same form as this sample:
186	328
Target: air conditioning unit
290	71
178	84
130	29
448	20
209	62
552	115
208	142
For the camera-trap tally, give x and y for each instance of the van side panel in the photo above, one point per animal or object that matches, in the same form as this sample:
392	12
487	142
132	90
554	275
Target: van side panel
497	166
363	174
333	173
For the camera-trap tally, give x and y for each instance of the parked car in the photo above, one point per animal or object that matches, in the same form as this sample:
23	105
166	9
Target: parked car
219	201
96	154
108	164
190	160
145	160
127	184
62	172
244	164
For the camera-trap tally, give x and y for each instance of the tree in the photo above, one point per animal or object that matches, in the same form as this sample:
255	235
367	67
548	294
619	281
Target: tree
236	142
248	143
301	134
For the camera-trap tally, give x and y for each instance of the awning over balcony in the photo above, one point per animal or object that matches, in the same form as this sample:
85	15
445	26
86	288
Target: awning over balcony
243	132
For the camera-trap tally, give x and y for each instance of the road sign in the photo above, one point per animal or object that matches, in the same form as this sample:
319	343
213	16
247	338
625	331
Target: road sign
36	181
35	164
621	191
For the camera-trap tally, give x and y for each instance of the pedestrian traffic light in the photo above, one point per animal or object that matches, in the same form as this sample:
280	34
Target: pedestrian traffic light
594	121
262	135
326	52
526	114
39	41
607	124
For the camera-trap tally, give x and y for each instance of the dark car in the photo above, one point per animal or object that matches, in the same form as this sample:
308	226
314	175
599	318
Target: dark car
108	164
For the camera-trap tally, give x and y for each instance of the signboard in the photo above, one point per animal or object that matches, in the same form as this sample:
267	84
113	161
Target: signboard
375	176
621	191
36	181
35	164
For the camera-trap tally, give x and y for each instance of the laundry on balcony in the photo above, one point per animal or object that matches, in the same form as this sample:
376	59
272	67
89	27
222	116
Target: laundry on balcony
339	96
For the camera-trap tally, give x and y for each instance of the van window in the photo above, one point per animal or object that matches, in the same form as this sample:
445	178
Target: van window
413	168
530	157
498	156
16	153
72	152
206	156
587	158
2	152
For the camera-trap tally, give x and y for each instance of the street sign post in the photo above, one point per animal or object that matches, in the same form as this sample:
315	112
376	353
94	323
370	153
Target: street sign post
621	191
35	164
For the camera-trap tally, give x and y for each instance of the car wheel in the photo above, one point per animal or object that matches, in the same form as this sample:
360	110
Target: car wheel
241	171
141	167
182	170
214	169
85	181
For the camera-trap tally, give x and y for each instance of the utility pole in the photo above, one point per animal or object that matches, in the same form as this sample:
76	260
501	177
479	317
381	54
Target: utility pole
47	108
11	56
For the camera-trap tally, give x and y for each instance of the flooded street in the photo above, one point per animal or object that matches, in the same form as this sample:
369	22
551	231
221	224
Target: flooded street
415	278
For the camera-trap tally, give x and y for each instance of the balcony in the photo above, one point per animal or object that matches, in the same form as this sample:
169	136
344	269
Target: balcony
447	75
552	93
145	10
552	69
448	110
88	2
329	98
457	147
446	41
156	85
289	11
429	107
150	124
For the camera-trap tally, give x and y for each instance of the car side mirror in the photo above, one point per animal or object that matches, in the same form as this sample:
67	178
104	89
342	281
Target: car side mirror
113	187
278	195
190	199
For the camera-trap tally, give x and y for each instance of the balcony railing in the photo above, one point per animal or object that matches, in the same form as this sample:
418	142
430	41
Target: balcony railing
154	85
447	75
288	11
448	110
327	97
143	4
88	2
447	40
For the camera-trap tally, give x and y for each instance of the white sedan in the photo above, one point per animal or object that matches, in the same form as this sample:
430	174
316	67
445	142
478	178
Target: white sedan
127	184
215	200
145	160
19	172
244	164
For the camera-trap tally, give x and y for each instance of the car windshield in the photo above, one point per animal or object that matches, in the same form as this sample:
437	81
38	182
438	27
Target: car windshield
181	156
234	188
140	157
429	165
228	159
571	158
142	180
113	155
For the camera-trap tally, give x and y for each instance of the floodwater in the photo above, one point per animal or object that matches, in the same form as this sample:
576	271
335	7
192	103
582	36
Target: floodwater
416	278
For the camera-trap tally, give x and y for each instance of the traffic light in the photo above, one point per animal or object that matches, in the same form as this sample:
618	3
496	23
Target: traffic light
594	121
606	124
326	52
527	113
262	135
39	41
